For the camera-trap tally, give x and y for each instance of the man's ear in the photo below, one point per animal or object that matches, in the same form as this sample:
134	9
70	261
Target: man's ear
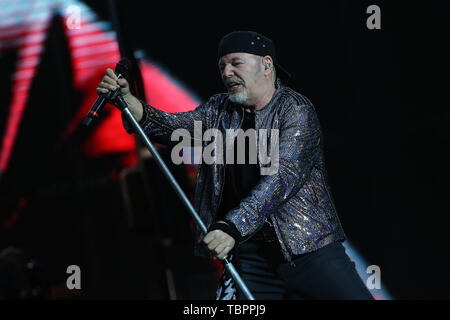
267	62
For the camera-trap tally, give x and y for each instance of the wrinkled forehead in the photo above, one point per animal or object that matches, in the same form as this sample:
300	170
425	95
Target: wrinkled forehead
230	57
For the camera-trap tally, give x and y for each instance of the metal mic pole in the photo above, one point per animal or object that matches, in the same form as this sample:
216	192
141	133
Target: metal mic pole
160	162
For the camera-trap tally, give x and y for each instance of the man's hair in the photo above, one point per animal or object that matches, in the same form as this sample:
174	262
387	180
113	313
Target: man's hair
274	76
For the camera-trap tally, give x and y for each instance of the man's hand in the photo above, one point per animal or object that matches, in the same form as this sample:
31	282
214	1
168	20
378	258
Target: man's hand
219	242
111	83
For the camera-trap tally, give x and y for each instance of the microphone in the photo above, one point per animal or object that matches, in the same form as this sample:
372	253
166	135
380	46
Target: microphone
122	70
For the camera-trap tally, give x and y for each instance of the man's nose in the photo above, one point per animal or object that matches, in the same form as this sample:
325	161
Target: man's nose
227	72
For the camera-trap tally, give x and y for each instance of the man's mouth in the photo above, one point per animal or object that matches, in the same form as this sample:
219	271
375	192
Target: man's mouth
233	86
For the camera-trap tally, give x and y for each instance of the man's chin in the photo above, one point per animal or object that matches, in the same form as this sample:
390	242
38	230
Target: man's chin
238	101
238	98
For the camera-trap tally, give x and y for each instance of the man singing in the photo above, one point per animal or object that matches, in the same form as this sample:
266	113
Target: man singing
279	227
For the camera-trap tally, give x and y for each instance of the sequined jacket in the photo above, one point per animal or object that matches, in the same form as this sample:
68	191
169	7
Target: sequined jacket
296	198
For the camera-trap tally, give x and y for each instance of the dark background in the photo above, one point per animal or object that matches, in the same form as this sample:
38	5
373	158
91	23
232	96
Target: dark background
381	99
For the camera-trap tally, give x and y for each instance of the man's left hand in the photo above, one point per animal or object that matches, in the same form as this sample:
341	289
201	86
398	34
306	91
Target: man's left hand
219	242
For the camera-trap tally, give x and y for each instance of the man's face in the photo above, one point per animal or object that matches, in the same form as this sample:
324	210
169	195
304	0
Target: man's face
241	73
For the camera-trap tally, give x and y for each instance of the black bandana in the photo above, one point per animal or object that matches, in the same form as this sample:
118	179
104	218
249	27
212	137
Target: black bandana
250	42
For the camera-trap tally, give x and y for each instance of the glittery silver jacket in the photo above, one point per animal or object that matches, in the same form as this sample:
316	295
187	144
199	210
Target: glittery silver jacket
296	199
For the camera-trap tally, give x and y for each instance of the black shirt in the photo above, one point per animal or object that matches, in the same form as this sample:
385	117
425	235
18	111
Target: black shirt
239	178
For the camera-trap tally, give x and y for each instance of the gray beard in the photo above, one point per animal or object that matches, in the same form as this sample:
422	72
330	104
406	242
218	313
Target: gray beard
239	97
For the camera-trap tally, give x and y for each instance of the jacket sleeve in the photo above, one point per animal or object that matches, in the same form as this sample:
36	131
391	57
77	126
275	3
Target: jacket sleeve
160	124
299	147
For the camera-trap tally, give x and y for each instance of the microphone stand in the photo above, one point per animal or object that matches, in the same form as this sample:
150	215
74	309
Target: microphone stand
122	105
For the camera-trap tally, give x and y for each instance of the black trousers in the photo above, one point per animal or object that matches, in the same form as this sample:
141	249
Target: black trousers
327	273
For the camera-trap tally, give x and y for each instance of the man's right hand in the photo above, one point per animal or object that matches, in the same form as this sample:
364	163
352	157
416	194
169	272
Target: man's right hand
110	82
